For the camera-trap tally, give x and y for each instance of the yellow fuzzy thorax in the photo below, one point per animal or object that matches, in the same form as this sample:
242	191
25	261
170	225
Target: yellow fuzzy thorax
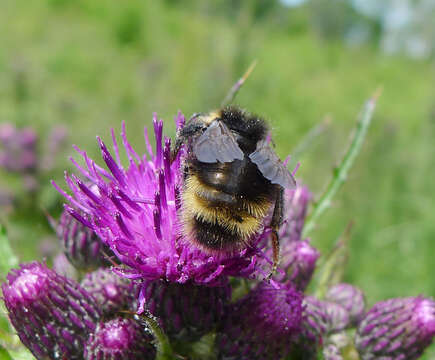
195	205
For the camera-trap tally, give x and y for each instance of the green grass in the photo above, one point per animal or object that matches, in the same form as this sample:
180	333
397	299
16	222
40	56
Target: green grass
91	64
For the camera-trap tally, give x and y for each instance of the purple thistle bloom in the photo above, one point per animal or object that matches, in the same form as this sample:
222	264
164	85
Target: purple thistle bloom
81	245
351	298
298	261
295	204
262	325
52	315
398	329
134	211
111	292
186	311
18	153
119	339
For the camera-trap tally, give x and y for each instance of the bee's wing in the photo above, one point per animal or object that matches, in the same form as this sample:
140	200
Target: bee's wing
271	166
217	144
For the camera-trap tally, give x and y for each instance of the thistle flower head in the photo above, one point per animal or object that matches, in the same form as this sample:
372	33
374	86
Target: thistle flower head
315	321
81	245
399	328
263	324
52	315
332	352
18	148
133	209
119	339
186	311
338	316
63	267
295	205
111	292
298	261
351	298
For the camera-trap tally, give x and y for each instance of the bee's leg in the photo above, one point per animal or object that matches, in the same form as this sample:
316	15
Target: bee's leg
275	224
184	135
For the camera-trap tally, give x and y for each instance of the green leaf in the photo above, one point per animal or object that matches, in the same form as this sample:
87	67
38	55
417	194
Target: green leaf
4	355
8	259
21	354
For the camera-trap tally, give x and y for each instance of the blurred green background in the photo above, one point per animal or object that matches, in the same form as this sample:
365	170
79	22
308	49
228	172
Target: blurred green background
88	65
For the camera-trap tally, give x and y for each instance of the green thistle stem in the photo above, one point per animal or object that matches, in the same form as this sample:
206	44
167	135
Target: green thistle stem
164	348
342	170
229	98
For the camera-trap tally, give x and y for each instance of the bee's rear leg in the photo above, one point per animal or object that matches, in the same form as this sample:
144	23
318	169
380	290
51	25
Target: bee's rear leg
275	224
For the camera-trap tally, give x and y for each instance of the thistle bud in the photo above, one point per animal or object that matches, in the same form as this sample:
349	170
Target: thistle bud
399	328
298	261
315	321
332	352
81	245
52	314
351	298
119	339
111	292
295	206
186	311
338	316
261	325
63	267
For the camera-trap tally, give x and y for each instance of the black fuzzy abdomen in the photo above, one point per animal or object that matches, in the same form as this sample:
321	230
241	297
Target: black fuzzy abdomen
225	203
215	237
240	178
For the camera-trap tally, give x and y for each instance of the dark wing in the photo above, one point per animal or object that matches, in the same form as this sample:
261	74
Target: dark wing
271	166
217	144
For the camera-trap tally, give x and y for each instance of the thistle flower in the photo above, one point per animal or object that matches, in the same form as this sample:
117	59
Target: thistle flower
315	320
336	344
338	316
134	211
18	153
63	267
399	328
295	205
261	325
351	298
52	315
331	352
81	245
186	311
321	318
111	292
119	339
298	262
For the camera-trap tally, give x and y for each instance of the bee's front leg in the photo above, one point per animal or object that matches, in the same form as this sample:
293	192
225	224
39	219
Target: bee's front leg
275	224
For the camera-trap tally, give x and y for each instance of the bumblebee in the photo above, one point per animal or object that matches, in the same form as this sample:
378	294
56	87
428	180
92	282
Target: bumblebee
232	179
